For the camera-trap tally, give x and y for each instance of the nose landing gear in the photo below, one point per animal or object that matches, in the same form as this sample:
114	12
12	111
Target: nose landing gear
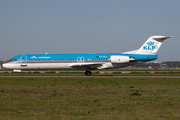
20	74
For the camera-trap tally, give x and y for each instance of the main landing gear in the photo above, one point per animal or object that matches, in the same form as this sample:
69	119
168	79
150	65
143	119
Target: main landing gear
88	73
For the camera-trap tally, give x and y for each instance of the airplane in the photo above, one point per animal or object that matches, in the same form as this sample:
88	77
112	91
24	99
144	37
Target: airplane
147	52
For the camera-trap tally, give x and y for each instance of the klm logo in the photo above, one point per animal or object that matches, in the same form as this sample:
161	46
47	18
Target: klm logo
33	57
150	46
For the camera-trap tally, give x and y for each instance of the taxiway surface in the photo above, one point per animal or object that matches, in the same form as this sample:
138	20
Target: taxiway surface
108	76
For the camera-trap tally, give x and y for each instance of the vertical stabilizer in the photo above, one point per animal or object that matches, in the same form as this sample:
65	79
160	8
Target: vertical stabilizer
152	45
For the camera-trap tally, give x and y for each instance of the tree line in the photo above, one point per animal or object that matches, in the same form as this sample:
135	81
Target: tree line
168	64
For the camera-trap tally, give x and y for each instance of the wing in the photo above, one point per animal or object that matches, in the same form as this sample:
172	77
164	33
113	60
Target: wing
86	65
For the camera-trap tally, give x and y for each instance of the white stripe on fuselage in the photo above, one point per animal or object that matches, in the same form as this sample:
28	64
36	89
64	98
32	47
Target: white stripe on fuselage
26	66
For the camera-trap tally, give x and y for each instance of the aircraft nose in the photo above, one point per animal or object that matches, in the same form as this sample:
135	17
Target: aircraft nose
5	65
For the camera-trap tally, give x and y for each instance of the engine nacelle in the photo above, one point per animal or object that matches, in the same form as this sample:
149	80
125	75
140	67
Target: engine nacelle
120	59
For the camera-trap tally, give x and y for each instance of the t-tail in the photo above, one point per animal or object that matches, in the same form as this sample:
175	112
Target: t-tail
152	45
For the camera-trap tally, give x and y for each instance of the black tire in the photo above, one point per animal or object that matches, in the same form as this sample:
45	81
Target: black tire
88	73
20	73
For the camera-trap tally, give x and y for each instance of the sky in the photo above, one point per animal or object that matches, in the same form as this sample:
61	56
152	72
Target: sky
87	26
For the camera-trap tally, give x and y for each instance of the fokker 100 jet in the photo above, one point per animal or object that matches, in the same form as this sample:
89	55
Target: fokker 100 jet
87	62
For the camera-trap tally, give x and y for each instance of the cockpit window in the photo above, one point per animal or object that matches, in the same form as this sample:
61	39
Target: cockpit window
13	59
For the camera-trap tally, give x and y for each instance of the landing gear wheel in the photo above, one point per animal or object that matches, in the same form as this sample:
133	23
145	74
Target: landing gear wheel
88	73
20	73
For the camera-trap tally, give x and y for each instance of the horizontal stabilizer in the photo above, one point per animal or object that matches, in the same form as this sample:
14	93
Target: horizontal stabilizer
162	38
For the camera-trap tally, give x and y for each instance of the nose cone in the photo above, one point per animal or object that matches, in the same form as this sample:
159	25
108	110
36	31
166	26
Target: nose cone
6	65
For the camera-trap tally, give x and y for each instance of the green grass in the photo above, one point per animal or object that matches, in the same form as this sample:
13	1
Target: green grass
89	98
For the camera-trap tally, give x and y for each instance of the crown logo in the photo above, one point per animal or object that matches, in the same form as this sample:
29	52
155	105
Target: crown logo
33	57
150	43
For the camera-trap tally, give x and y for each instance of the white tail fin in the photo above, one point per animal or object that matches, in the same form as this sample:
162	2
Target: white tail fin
152	45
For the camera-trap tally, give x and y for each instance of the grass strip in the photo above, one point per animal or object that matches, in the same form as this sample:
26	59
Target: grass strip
89	98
